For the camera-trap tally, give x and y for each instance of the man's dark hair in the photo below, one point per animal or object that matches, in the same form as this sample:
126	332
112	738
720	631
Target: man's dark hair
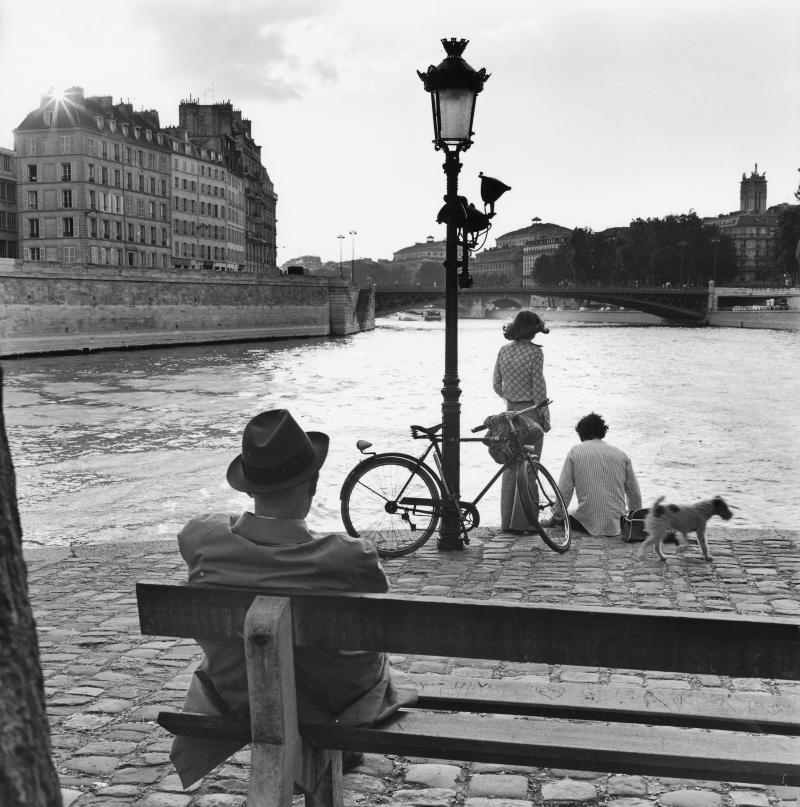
524	326
591	426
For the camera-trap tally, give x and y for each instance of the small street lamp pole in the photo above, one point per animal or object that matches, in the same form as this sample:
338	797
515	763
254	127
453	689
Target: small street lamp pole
341	271
714	241
353	235
682	245
453	86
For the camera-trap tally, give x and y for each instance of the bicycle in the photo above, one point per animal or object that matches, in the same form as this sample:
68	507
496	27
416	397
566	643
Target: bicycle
396	500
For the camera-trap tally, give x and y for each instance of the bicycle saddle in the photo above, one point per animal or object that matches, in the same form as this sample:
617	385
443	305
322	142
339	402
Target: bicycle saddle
416	431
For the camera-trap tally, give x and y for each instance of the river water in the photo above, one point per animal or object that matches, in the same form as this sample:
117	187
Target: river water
128	445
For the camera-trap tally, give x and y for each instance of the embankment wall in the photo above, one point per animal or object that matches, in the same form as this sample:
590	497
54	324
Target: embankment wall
788	320
47	308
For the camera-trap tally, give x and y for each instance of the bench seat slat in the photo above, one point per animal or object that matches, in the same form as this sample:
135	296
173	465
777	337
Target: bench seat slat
740	711
212	727
540	742
672	641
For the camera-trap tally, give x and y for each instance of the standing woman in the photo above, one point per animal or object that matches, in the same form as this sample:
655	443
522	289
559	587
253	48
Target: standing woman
519	380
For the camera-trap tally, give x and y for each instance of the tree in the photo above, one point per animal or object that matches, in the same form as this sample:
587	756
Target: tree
430	274
27	775
787	241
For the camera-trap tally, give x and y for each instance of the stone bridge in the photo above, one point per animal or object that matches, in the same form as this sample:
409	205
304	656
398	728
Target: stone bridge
679	305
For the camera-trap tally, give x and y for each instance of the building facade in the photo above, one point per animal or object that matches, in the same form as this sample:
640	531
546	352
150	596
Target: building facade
93	181
8	204
428	250
98	183
221	129
501	266
207	208
536	240
753	228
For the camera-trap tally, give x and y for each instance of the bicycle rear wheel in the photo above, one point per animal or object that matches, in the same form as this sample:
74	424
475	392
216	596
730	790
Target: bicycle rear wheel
542	501
392	503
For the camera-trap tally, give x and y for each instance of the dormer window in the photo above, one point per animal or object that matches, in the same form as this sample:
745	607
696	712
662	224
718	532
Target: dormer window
112	125
99	121
160	139
137	132
48	118
125	129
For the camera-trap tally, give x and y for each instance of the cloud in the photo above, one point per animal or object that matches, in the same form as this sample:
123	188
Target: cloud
247	50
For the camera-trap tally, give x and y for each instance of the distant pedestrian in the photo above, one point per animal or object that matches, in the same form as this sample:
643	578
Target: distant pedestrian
519	380
602	478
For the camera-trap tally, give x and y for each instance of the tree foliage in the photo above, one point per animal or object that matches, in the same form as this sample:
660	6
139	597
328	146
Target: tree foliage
787	244
676	249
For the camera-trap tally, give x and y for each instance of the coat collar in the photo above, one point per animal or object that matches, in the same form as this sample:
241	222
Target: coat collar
262	530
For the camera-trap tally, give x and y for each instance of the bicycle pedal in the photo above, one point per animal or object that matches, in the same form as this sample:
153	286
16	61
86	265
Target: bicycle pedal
466	541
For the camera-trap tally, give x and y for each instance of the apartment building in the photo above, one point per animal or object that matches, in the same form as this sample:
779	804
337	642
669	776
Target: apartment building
207	208
93	182
8	204
220	128
538	239
99	183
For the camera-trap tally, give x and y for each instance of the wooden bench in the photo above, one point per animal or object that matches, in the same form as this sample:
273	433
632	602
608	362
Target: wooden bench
727	736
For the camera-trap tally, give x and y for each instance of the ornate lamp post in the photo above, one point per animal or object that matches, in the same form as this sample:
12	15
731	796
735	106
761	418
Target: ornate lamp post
341	238
453	86
353	235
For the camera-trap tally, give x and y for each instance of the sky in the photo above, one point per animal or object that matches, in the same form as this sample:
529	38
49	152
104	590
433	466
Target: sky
595	113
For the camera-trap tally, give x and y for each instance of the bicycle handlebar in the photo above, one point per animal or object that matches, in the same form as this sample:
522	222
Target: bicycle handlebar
511	414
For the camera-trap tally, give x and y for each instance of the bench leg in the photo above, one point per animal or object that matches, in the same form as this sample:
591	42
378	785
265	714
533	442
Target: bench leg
276	759
322	777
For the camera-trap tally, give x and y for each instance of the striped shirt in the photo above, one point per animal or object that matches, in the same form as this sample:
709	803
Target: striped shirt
602	478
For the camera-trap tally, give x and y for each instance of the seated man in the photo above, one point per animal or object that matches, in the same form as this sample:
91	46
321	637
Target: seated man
272	548
602	478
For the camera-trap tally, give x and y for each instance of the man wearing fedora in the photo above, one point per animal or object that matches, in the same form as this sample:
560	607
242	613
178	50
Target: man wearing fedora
271	547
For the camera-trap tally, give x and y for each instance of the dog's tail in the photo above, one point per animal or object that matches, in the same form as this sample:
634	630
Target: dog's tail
657	509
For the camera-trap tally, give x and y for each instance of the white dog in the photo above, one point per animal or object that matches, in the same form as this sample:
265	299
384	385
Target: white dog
669	520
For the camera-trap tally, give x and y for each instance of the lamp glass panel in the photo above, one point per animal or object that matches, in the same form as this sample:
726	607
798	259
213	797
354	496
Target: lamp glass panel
455	114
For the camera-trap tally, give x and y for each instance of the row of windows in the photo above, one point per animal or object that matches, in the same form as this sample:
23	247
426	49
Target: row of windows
127	129
99	200
8	191
64	227
8	220
35	146
143	184
113	257
188	249
190	167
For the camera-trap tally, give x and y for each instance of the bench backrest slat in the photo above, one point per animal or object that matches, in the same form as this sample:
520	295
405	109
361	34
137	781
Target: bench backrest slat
741	646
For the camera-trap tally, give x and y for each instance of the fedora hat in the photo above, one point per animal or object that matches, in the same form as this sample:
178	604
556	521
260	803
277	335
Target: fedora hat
276	454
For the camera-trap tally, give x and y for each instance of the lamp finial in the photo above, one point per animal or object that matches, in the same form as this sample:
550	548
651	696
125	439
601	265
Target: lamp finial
455	47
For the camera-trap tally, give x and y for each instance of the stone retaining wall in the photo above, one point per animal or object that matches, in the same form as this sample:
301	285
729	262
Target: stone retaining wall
53	308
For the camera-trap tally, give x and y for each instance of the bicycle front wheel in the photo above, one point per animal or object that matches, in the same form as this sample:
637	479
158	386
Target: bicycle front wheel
391	502
543	502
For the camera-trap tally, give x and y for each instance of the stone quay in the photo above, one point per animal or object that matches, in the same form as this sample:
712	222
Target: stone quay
105	683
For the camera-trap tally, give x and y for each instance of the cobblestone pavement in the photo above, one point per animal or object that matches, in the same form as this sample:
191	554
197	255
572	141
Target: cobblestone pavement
105	683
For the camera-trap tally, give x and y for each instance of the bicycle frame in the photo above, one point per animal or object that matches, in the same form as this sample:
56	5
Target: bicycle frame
441	477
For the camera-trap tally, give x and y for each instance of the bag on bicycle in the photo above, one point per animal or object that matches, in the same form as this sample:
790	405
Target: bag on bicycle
632	526
498	438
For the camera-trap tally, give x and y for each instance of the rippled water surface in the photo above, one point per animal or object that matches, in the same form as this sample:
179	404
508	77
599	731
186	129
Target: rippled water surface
128	445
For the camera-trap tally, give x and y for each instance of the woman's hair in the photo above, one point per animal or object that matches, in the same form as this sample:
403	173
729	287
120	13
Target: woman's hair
591	426
525	326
